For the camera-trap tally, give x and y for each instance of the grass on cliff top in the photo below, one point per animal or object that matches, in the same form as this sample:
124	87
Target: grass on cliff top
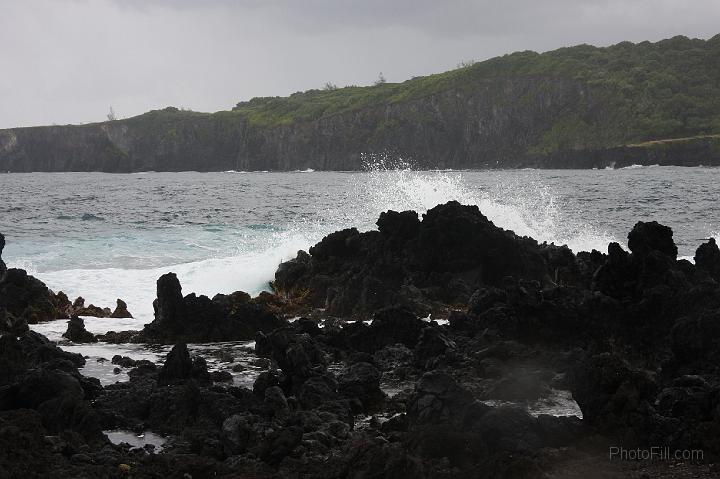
667	84
165	115
314	104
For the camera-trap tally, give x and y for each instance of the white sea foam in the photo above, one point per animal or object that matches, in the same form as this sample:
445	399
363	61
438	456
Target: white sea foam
248	272
54	330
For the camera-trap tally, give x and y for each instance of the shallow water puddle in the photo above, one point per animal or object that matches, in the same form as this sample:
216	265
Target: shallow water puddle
119	436
559	403
237	357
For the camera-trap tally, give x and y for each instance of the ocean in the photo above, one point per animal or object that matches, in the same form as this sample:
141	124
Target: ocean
108	236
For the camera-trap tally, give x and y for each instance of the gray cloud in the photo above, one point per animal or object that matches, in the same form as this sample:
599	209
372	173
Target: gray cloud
69	60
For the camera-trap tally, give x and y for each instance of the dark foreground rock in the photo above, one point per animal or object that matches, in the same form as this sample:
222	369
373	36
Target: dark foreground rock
199	319
420	265
25	299
624	329
3	267
633	335
77	333
78	308
179	367
121	310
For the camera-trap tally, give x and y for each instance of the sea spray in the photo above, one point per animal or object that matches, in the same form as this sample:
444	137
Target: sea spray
524	205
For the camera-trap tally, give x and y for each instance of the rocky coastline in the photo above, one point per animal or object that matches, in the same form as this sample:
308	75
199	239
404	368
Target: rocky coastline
170	140
468	322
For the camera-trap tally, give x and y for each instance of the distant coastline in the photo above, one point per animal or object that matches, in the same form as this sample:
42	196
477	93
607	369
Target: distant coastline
580	107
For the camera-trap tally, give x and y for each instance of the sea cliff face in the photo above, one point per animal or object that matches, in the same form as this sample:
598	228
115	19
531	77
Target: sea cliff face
484	127
495	125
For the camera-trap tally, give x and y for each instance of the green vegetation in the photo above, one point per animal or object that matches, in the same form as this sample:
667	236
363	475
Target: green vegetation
634	92
314	104
629	94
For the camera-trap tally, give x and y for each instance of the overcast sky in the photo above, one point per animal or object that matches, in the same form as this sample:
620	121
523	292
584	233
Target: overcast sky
68	61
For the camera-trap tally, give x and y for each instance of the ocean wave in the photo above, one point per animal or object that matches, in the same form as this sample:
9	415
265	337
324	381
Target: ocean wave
249	270
637	167
138	286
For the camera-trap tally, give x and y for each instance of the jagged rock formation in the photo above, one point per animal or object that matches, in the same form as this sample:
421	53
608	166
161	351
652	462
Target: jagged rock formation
634	335
121	310
179	366
77	333
3	267
25	299
198	318
421	265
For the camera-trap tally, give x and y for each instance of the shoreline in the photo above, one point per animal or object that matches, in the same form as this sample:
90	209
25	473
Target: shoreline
628	333
602	167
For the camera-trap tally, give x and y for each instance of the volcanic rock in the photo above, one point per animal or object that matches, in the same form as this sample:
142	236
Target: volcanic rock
432	343
3	267
298	355
179	367
121	310
410	263
200	319
438	398
362	381
25	298
610	393
77	333
707	258
647	237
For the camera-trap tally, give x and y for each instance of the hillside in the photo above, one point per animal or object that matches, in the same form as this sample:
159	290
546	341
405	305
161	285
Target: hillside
574	107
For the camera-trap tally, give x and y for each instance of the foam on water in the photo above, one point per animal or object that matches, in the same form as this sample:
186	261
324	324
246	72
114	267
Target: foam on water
120	436
559	403
99	354
54	330
249	272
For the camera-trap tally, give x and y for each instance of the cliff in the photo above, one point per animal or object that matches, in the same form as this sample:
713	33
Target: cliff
579	107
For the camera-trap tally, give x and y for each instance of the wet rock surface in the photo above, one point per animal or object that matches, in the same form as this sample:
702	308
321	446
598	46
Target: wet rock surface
25	300
77	333
421	265
121	310
201	319
370	387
